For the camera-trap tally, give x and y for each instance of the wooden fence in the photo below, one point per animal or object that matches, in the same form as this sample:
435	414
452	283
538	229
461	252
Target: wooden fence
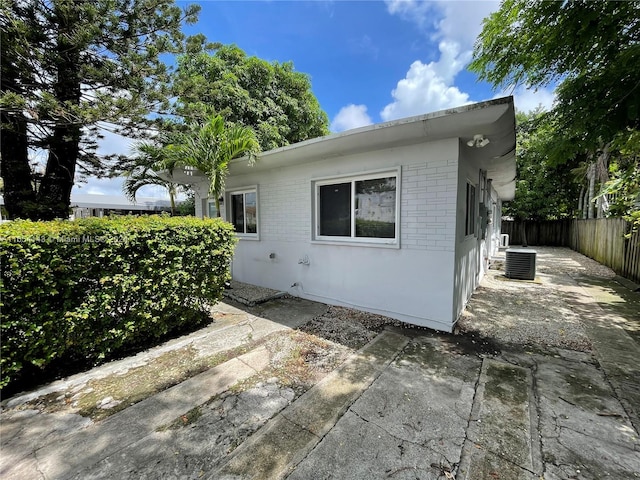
602	239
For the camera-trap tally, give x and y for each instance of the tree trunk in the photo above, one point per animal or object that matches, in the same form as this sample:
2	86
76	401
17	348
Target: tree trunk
602	175
581	200
55	193
19	195
523	233
54	196
218	213
172	200
591	175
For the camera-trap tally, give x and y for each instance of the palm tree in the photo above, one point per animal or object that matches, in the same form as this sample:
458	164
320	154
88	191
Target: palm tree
151	160
211	147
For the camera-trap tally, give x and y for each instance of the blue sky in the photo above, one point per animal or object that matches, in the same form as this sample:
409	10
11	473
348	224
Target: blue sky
369	61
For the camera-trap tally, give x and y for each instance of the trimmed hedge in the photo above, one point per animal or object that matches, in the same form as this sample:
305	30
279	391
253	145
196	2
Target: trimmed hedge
86	289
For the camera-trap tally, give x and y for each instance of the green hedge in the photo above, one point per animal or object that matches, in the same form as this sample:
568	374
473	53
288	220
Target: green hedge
85	289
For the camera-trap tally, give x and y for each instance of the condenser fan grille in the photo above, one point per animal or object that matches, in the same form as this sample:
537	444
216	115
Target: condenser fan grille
520	263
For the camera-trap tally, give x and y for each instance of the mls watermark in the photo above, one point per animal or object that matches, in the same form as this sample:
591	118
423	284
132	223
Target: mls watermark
63	239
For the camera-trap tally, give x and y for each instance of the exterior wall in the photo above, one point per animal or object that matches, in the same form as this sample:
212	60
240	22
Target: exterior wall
201	190
473	252
412	282
468	247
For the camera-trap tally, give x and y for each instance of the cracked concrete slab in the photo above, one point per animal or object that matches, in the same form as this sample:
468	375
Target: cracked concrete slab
499	434
99	441
250	295
410	423
189	450
276	449
584	429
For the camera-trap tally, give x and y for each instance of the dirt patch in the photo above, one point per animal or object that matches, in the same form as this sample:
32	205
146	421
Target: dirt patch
349	327
297	360
530	314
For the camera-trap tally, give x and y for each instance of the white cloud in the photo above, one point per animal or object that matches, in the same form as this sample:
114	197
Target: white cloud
429	87
459	21
462	20
351	116
526	100
411	10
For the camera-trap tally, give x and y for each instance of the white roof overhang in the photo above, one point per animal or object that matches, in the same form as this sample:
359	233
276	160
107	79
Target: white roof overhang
495	119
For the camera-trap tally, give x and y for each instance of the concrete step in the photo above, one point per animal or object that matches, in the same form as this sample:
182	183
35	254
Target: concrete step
62	458
499	436
285	440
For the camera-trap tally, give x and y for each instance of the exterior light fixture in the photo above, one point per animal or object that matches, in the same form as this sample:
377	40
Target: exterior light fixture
478	141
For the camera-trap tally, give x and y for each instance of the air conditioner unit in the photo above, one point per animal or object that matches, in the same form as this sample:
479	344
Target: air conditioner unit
520	263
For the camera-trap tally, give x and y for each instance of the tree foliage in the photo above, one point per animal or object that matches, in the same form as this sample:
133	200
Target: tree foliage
152	166
544	191
72	68
271	97
211	147
590	49
622	191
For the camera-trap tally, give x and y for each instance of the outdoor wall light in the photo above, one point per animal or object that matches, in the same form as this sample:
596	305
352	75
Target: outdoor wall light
478	141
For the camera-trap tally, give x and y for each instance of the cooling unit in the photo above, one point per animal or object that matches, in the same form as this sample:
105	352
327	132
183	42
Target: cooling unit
521	263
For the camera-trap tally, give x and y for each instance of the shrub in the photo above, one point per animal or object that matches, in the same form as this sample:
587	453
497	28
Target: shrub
89	288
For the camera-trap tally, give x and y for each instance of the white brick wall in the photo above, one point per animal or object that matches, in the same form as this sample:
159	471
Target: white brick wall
427	205
428	208
285	210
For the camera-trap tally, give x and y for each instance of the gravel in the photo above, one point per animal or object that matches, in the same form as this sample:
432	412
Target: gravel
533	314
510	313
348	327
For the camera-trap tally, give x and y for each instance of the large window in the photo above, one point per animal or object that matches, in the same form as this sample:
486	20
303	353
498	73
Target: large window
470	220
244	211
363	208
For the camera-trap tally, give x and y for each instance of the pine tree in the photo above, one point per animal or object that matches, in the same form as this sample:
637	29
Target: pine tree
71	69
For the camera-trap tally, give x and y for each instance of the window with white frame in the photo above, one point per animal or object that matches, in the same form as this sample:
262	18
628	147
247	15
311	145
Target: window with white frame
470	218
243	211
361	208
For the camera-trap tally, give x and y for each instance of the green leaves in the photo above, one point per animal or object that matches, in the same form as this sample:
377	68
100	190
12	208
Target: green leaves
89	288
69	68
544	190
211	147
590	49
250	92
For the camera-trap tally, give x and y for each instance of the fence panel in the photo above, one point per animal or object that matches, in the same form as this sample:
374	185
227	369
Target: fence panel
631	265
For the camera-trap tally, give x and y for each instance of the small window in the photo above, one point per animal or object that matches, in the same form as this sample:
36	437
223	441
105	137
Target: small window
470	221
363	209
244	211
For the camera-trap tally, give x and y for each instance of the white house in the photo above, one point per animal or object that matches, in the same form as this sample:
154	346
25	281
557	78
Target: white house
398	218
90	205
